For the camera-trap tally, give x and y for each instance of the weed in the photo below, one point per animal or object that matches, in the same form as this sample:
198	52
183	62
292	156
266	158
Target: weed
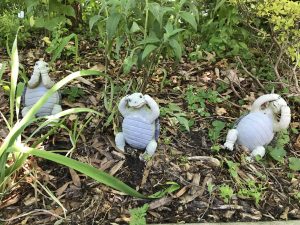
176	116
233	170
198	98
137	215
73	93
252	190
226	192
214	133
278	152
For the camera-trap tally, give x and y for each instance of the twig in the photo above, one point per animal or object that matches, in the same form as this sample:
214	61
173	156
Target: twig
250	74
294	71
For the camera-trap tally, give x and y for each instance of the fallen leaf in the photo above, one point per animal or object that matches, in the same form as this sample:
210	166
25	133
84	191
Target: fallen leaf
116	167
75	178
220	111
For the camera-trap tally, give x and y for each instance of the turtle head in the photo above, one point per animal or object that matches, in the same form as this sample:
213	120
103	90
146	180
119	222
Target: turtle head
136	100
42	66
276	105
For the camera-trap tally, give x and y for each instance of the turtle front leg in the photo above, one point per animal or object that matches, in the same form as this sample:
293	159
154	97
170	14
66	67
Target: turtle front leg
231	139
56	109
25	111
120	141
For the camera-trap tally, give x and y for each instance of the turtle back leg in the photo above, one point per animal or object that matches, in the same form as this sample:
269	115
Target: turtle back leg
260	150
120	141
56	109
151	147
231	139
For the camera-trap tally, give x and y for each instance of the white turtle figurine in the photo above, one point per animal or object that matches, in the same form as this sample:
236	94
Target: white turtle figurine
140	125
37	86
256	129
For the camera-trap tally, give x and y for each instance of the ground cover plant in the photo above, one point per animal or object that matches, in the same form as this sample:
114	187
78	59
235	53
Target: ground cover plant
204	62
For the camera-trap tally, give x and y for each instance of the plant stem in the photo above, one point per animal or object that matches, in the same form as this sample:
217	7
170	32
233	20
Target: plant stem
146	20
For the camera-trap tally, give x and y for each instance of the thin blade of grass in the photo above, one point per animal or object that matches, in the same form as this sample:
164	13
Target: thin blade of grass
13	80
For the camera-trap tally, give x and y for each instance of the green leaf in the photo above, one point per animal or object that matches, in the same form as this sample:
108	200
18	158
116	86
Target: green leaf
176	48
173	187
134	28
93	20
294	163
183	121
88	170
112	24
20	89
148	50
63	44
277	153
13	79
189	18
2	69
155	9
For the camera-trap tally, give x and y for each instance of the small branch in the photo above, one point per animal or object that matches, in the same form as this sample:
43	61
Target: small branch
250	74
295	72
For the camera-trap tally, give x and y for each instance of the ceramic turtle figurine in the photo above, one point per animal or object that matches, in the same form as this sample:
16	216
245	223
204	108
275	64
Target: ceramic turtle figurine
37	86
256	129
140	127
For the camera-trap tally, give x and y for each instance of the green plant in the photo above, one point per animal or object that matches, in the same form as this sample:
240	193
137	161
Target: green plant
226	192
176	116
198	99
214	133
73	93
233	170
278	153
294	163
14	152
137	215
9	25
61	43
252	190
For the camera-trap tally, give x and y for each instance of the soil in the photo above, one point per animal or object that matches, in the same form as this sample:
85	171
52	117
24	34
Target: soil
197	200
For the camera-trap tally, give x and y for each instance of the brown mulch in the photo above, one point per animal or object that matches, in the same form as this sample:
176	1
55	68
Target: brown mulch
182	157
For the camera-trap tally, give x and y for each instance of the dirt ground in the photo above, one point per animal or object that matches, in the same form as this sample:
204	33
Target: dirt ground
182	157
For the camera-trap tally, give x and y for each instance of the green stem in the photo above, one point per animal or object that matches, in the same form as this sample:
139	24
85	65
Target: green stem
146	20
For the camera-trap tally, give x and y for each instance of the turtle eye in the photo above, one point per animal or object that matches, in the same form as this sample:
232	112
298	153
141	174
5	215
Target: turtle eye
141	96
36	63
129	100
46	65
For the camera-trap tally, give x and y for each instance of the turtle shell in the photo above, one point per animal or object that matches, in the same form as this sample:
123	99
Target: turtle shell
138	131
32	95
255	129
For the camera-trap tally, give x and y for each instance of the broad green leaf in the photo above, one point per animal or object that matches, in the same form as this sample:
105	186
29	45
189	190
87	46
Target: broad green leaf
112	24
176	48
155	9
294	163
88	170
149	40
149	48
277	153
183	121
189	18
134	28
93	20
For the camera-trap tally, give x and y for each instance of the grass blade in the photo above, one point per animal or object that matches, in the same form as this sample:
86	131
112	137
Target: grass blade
88	170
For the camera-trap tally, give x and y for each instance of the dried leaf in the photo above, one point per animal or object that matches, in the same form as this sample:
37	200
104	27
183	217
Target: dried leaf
75	178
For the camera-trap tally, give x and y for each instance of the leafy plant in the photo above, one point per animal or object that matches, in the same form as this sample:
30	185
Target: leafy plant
233	170
61	43
73	93
198	98
278	153
176	116
294	163
214	133
226	192
137	215
252	190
